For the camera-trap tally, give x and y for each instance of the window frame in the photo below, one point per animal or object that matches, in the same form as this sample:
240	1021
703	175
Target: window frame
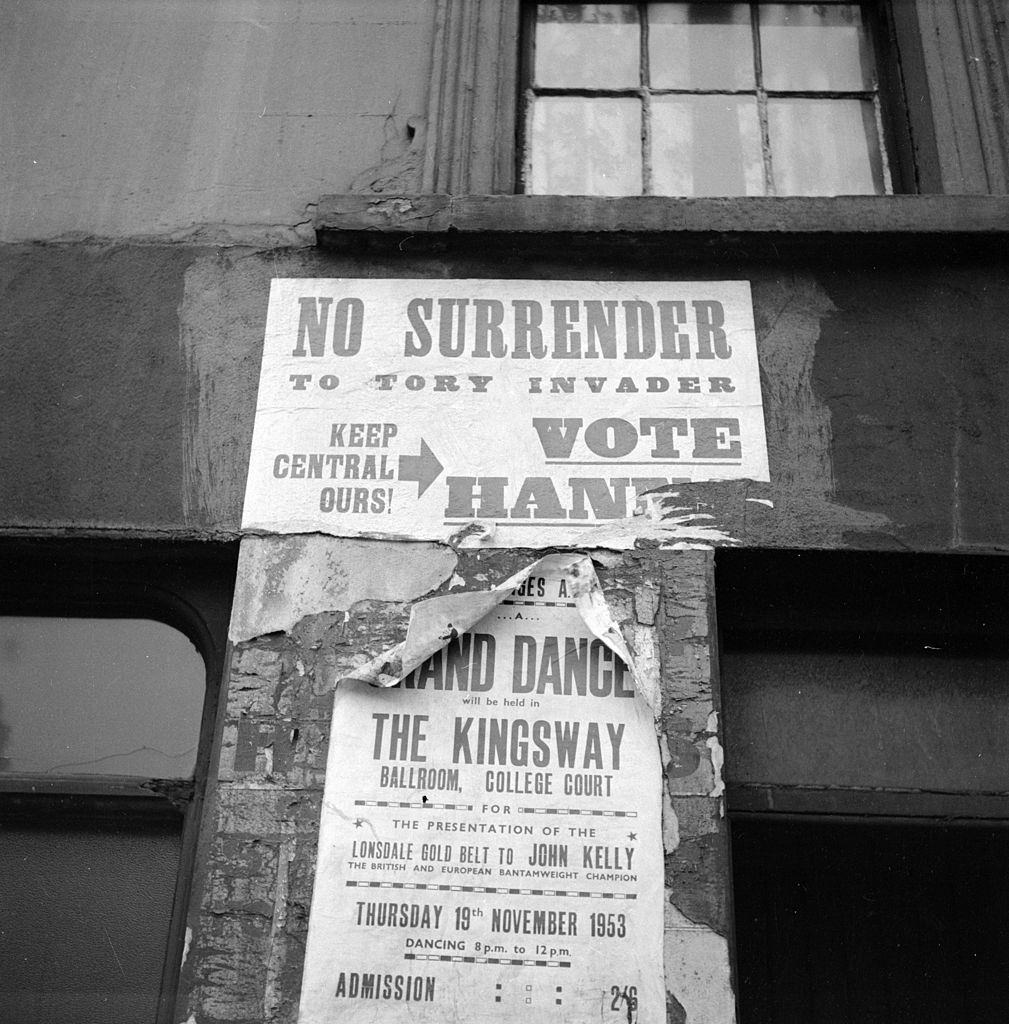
952	604
822	601
944	126
893	171
186	586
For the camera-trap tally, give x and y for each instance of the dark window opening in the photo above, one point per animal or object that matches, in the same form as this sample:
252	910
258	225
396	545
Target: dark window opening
88	912
873	921
110	661
865	702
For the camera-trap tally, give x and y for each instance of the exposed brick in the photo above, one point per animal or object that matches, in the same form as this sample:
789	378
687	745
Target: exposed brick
258	661
697	875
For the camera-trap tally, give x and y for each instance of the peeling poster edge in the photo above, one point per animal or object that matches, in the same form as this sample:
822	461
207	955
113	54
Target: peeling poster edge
439	620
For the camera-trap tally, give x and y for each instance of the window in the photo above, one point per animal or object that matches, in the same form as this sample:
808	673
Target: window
109	661
98	697
865	699
702	99
939	63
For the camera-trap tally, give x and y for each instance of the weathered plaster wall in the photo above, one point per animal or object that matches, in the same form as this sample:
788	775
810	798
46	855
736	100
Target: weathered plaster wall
884	391
215	119
913	370
93	388
244	961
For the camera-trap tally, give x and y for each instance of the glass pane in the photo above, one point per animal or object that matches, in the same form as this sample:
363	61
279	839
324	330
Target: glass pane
952	710
824	147
98	697
86	914
591	46
815	46
585	147
700	46
706	146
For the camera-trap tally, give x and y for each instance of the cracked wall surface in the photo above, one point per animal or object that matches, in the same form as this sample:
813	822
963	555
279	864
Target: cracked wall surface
223	120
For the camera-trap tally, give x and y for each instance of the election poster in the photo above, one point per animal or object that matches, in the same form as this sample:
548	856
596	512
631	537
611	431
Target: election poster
490	845
530	411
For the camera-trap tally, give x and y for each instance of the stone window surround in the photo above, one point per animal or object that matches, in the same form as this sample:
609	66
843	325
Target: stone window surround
947	59
653	103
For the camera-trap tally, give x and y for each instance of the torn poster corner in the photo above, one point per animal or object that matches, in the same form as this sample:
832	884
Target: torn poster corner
475	534
438	621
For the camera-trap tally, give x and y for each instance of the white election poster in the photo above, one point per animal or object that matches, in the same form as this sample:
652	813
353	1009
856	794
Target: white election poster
540	409
490	846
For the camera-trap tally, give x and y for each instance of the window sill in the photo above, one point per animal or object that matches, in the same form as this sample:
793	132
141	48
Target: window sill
774	798
732	228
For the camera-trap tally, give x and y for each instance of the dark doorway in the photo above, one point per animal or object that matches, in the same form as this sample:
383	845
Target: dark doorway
848	921
865	701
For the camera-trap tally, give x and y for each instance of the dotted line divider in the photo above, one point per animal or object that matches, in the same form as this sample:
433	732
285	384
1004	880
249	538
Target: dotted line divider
444	958
432	887
542	604
406	803
578	811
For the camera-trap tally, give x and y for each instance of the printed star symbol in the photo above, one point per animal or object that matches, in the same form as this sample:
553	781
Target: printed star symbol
632	836
359	823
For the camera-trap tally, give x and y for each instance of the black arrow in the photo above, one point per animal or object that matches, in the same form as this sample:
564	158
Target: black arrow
424	468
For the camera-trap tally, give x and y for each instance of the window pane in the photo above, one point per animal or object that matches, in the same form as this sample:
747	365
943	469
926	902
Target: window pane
824	147
700	46
953	717
587	46
98	697
85	920
815	46
706	146
870	920
585	147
